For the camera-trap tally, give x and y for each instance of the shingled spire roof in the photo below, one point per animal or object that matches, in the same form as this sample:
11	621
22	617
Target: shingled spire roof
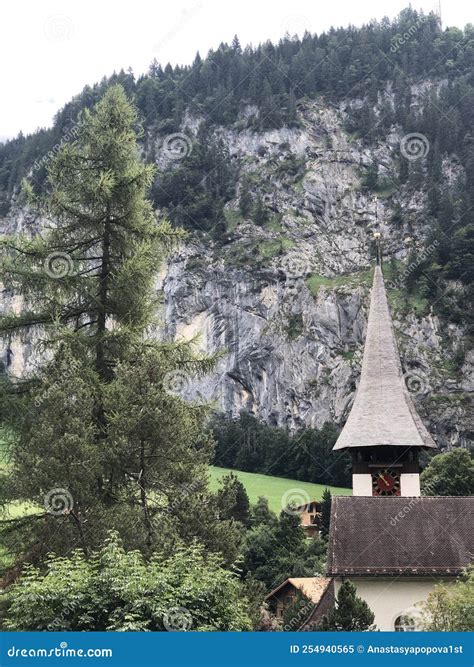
383	412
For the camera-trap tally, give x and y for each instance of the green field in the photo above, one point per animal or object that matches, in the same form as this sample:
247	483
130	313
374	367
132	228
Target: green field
273	488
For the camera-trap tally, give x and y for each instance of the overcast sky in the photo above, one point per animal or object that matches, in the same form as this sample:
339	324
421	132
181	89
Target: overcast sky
50	49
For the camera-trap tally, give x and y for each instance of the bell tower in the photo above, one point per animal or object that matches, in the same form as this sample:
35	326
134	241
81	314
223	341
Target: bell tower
383	432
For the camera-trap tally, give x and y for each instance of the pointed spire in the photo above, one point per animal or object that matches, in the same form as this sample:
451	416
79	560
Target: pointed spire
383	412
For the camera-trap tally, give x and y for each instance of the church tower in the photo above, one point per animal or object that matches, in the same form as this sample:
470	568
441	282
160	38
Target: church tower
383	432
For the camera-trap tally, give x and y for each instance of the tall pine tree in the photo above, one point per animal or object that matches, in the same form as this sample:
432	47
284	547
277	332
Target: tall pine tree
98	436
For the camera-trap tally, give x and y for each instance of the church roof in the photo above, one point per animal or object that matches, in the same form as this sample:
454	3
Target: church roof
383	412
400	536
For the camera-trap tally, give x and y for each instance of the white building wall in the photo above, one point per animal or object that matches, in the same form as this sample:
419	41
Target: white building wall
361	484
389	598
410	484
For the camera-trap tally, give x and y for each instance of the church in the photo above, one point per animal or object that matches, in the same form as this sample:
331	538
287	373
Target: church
392	543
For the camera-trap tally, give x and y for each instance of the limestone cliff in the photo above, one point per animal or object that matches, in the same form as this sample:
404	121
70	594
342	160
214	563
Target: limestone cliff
286	302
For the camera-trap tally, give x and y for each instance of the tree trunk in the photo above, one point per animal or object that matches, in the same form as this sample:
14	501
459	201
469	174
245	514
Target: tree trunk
101	364
100	359
143	497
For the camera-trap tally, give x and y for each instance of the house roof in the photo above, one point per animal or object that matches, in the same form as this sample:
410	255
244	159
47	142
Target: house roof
308	507
383	412
312	587
400	535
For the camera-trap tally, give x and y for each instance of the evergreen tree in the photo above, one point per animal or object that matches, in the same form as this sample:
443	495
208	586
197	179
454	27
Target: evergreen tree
236	44
261	514
96	262
292	110
251	445
366	120
271	76
259	552
371	177
245	199
273	551
325	513
233	499
290	534
88	282
195	192
260	212
350	614
270	108
461	263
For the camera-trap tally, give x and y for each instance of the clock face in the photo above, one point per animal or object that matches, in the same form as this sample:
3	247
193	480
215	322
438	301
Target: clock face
385	483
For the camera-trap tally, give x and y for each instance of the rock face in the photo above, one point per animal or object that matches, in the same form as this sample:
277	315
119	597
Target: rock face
283	348
293	358
285	305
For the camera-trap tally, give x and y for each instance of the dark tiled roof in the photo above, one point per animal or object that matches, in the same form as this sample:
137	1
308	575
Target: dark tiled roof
410	536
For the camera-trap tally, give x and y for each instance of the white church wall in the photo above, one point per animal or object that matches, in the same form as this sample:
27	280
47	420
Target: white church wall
410	484
390	598
361	485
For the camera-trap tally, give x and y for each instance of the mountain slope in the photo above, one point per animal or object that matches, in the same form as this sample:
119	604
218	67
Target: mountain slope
287	300
282	161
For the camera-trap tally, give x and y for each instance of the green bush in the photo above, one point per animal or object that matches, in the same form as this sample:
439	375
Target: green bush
449	474
120	590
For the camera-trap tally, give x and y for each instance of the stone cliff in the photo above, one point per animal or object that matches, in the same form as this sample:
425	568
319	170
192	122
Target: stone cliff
285	303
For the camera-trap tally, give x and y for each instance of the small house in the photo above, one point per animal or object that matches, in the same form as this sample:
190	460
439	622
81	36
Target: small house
310	517
318	596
